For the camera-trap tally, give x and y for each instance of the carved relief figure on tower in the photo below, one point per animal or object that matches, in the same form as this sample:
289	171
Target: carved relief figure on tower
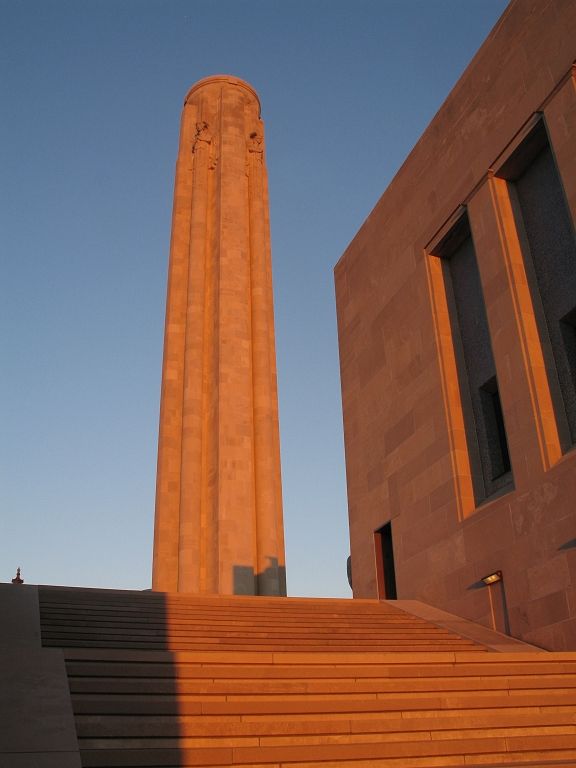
202	134
203	138
256	143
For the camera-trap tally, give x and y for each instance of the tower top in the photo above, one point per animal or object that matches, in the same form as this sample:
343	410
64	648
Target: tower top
230	79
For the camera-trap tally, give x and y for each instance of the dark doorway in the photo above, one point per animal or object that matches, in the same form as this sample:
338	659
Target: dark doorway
385	572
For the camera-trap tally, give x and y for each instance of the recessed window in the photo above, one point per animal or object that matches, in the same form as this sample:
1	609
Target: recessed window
483	417
546	234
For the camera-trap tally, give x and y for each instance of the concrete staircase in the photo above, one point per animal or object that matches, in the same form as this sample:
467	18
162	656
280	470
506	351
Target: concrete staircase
170	680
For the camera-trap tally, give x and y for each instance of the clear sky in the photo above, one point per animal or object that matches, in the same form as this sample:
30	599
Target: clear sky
91	93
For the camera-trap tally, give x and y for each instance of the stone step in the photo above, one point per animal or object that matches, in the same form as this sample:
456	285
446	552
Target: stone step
238	606
340	660
180	740
234	606
295	686
176	668
274	706
378	615
421	647
194	631
131	726
318	719
94	594
494	751
300	628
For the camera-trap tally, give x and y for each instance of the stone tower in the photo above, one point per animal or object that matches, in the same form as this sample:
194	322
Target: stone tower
218	526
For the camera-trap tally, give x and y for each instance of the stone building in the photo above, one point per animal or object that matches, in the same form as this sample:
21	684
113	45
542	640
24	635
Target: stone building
457	324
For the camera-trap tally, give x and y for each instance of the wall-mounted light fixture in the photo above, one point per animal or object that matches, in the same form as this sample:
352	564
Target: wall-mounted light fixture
492	578
497	600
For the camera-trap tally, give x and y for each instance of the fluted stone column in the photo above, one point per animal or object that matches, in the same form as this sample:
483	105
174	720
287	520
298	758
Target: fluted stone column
218	526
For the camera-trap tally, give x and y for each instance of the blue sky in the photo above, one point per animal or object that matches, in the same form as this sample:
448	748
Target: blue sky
91	93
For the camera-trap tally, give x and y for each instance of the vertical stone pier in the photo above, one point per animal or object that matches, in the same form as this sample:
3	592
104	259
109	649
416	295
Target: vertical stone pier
218	526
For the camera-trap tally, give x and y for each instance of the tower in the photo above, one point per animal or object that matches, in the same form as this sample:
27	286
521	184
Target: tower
218	524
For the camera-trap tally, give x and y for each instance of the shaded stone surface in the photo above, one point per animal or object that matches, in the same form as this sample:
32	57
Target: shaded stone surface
36	722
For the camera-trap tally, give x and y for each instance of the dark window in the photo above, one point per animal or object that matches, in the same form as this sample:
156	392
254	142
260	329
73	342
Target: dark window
484	421
549	248
495	430
568	328
385	563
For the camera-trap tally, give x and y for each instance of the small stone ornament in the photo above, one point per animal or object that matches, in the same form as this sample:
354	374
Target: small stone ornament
17	579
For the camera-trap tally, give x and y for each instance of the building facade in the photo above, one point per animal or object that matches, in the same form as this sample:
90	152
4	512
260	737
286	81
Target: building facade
456	309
